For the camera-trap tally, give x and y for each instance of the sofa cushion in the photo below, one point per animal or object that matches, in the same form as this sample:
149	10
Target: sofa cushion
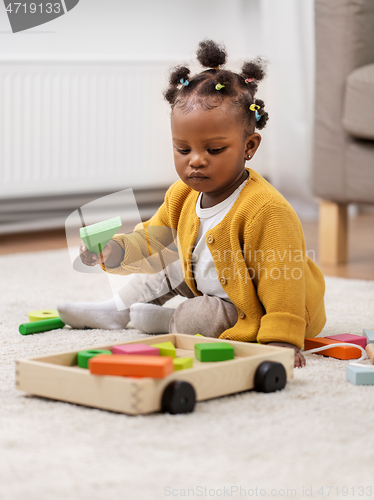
358	116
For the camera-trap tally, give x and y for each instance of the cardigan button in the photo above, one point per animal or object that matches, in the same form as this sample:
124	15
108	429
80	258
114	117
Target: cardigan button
241	314
209	238
223	281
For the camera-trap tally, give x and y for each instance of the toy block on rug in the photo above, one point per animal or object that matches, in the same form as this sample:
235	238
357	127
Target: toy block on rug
370	352
84	357
347	337
166	349
369	334
44	325
360	376
214	351
143	349
182	363
97	236
132	365
42	314
343	352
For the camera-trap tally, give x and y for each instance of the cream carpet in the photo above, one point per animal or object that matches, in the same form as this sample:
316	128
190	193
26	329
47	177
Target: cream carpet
317	432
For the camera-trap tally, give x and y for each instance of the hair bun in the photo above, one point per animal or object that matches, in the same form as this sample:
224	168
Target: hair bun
210	54
178	73
255	69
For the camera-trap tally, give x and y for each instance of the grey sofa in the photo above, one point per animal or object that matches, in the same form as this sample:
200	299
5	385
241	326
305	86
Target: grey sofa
343	168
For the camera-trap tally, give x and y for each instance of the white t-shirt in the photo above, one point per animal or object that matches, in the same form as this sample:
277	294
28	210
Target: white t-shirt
203	265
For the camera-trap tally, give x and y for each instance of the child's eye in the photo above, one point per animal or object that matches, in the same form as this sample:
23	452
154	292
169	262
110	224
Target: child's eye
215	151
183	151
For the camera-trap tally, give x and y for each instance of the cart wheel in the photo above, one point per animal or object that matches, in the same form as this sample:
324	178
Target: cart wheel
178	397
270	377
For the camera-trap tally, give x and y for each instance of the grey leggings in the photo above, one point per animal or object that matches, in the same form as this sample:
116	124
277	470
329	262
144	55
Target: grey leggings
207	315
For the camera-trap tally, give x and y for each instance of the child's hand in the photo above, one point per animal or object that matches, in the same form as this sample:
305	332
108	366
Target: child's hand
299	358
90	259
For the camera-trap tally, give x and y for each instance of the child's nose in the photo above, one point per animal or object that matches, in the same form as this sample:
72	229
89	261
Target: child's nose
198	160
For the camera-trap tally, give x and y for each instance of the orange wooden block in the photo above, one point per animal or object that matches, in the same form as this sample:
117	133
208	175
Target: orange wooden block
343	352
131	365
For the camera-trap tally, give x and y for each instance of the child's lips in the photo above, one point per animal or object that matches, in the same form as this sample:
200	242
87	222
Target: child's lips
197	176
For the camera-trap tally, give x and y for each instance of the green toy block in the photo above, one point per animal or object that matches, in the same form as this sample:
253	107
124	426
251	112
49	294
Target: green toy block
44	325
214	351
85	356
369	334
182	363
97	236
166	349
360	376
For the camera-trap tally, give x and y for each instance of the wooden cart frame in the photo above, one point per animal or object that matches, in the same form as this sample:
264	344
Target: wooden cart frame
58	376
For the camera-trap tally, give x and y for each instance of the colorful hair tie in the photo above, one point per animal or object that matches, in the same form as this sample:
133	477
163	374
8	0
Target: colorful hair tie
249	80
255	107
219	86
184	82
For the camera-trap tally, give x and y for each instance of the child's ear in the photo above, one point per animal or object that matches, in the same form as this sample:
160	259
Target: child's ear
252	142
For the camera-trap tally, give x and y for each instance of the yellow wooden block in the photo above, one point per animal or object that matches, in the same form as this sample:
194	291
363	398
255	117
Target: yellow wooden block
166	349
182	363
41	314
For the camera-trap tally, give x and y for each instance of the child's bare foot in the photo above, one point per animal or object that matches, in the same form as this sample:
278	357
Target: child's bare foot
299	358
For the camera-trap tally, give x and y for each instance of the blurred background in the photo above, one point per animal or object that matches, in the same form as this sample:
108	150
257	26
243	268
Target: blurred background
82	112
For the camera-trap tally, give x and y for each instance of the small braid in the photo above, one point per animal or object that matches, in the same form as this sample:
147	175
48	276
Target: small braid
179	73
215	82
255	71
263	114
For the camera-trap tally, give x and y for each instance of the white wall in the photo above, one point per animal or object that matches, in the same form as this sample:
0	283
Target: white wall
161	29
171	29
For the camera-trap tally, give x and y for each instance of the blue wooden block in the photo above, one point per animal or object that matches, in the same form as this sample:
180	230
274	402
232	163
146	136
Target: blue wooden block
360	376
369	334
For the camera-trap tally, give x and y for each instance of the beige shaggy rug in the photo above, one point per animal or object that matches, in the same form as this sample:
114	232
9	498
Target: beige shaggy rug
314	439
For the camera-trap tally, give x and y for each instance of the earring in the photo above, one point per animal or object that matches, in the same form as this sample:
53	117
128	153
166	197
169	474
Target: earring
248	157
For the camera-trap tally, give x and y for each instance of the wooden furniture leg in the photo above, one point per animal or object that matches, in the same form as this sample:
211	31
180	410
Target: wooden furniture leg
333	232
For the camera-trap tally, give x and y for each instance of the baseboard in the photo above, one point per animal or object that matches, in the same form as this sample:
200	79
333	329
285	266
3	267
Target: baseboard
50	212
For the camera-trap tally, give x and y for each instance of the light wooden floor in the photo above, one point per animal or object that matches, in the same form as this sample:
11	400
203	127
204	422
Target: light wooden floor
361	246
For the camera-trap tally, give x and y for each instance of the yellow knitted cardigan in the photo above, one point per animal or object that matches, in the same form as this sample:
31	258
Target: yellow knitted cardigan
259	254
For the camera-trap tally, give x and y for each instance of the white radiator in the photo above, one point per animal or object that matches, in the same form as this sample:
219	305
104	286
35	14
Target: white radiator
71	127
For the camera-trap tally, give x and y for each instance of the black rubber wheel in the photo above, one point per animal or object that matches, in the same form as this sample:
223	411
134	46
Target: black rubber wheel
178	397
270	377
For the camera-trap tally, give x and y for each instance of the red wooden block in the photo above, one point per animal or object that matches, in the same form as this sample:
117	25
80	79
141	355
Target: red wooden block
132	365
347	337
343	352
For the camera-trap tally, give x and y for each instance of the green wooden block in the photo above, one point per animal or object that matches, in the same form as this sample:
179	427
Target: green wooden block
44	325
97	236
214	351
85	356
360	376
166	349
182	363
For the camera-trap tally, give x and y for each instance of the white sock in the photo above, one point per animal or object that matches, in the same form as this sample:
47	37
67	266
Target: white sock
150	318
102	315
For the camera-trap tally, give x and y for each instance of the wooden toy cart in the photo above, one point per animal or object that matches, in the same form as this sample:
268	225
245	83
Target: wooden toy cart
260	367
